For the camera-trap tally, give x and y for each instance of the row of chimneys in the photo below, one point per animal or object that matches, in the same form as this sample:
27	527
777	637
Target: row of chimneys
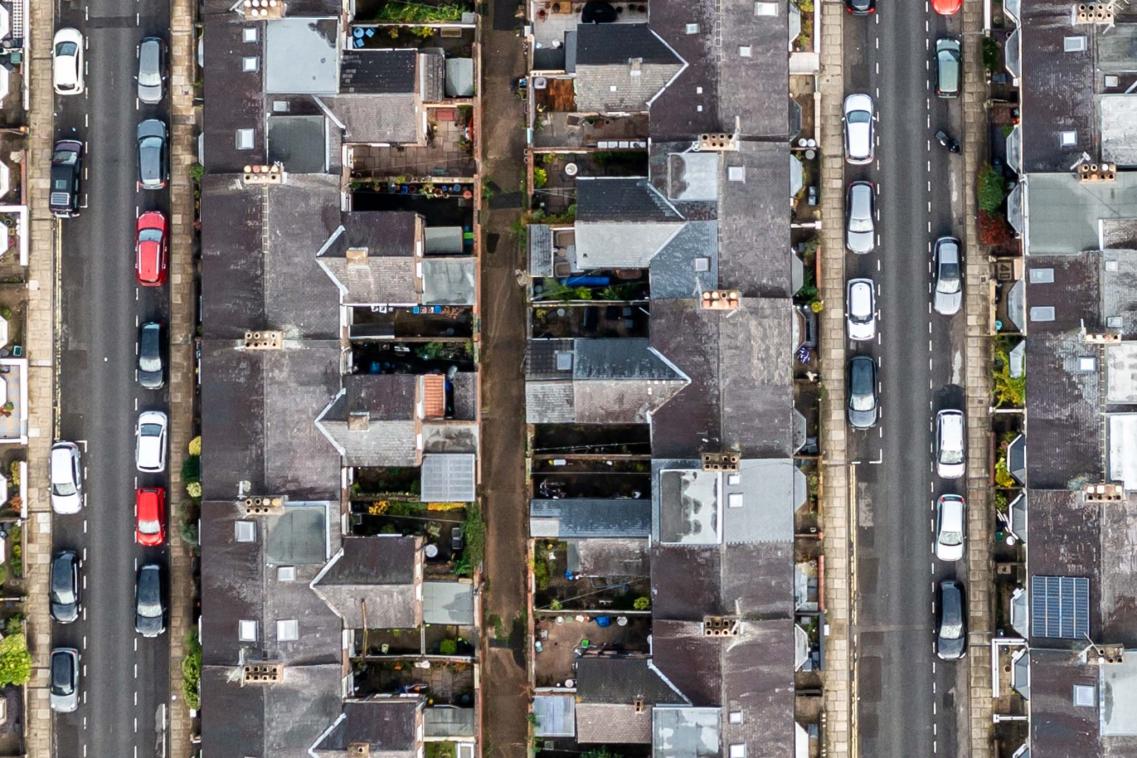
264	174
721	461
1094	172
263	8
1093	13
721	300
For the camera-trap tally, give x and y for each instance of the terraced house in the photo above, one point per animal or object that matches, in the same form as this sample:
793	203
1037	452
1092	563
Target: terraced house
337	369
672	612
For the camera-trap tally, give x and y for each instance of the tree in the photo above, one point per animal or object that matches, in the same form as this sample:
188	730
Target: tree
990	190
15	660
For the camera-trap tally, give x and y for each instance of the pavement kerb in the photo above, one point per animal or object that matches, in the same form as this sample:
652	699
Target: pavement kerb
978	393
41	330
839	679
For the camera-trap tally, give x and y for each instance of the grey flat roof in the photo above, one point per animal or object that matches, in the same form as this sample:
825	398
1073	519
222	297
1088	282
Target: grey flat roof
448	281
302	56
299	142
578	518
448	603
1064	214
685	732
448	478
1119	698
555	715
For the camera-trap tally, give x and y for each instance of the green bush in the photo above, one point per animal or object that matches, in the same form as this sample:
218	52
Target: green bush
540	574
1007	391
196	171
991	191
540	177
191	469
990	54
414	13
14	474
475	532
448	647
14	624
15	660
193	489
191	670
1003	476
194	446
642	603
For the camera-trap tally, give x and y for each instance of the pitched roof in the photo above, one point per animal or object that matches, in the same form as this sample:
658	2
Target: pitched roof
372	582
622	681
388	725
575	518
378	72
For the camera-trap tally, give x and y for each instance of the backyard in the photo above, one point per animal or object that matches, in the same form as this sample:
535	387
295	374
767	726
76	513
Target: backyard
450	683
563	639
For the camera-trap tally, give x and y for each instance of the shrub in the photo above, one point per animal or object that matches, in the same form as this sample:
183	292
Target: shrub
14	624
475	532
990	54
193	489
194	446
191	469
448	647
990	189
14	473
191	670
15	660
555	605
540	574
189	533
642	603
415	13
196	171
994	230
540	177
1007	391
1003	476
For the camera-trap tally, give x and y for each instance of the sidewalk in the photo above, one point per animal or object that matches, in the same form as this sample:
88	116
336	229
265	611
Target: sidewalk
183	295
977	358
839	727
42	385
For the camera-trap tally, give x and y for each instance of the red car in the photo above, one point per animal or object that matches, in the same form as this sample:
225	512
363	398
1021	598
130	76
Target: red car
150	243
150	516
947	7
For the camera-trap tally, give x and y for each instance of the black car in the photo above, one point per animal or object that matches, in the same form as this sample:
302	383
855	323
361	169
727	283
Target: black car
862	392
860	7
457	539
153	154
149	611
150	372
951	640
65	586
66	172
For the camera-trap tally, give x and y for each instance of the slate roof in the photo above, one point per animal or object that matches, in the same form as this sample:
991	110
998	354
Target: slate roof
619	67
388	725
621	199
754	202
376	119
234	98
375	280
622	680
1058	728
378	72
372	582
388	438
583	518
607	557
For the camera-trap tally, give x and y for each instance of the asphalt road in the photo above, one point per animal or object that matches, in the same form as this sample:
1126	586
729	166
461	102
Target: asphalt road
126	678
910	703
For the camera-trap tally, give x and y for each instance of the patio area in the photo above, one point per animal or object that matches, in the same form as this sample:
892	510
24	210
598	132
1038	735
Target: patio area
555	17
561	644
14	400
442	683
448	153
573	130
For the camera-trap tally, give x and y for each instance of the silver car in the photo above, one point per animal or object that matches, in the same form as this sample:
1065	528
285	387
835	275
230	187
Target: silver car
860	213
950	528
860	316
863	408
947	67
64	679
151	70
66	476
858	128
948	294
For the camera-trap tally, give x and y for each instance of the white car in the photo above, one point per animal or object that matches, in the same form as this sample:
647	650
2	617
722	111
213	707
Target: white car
858	129
860	224
66	475
950	527
150	442
860	316
67	62
950	451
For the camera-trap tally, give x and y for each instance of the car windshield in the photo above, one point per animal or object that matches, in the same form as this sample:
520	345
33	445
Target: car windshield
862	225
862	401
61	583
949	278
858	117
150	235
148	526
951	456
66	48
951	539
150	430
149	360
64	157
63	489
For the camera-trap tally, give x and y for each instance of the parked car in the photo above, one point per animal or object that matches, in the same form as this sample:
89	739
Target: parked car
66	477
64	604
153	155
151	243
860	217
66	176
858	129
860	316
64	679
150	370
67	62
951	639
151	69
863	410
951	526
150	442
860	7
150	516
948	294
948	67
947	7
949	444
149	610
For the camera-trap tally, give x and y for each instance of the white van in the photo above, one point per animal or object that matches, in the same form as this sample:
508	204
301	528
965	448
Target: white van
949	444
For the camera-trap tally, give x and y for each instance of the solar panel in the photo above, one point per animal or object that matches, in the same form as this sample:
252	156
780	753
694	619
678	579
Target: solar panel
1060	607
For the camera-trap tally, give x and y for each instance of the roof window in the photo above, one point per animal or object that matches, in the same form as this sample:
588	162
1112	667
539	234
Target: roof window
286	574
249	34
249	63
245	139
744	51
1068	138
245	531
287	630
692	28
1085	695
1074	44
765	8
247	630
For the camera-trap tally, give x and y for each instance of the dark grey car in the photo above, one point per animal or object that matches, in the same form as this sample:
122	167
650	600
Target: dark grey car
66	170
153	154
947	67
951	640
64	679
149	611
151	69
65	586
862	392
150	371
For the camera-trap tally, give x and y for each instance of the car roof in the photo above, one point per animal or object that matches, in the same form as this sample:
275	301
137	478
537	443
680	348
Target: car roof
860	293
61	456
858	101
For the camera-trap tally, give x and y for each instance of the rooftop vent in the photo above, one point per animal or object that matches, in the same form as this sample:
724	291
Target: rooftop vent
1108	654
720	626
639	704
262	9
1103	493
356	255
721	300
1103	338
1093	13
717	141
1097	172
260	506
266	174
358	421
721	461
262	673
269	340
359	750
